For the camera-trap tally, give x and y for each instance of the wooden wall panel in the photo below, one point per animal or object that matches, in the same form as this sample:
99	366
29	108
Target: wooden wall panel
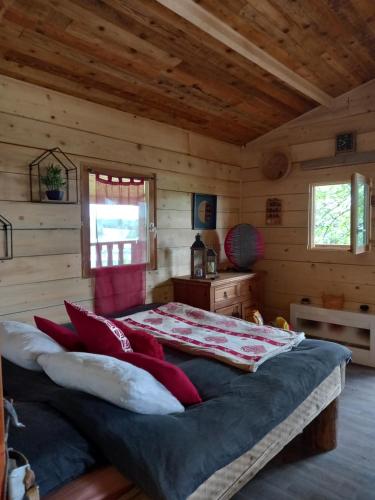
22	99
47	264
293	271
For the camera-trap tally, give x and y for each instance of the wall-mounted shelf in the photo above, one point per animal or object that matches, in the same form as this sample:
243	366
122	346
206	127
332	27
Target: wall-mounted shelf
62	187
339	160
6	239
356	330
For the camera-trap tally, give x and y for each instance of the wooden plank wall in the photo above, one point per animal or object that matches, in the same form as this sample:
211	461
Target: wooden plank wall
293	270
47	264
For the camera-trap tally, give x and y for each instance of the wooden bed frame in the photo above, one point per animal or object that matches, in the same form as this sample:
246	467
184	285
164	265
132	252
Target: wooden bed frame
106	483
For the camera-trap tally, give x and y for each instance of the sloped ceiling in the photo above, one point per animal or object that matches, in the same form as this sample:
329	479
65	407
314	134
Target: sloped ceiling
138	56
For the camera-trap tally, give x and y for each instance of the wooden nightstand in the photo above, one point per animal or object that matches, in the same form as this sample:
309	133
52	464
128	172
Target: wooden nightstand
232	294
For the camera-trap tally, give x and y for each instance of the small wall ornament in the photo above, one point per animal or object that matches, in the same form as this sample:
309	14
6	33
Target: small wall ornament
204	211
53	178
273	212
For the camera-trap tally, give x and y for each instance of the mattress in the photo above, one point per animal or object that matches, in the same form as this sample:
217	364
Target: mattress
224	483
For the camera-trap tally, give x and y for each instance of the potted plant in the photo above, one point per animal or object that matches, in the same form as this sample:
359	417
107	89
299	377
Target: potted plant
54	181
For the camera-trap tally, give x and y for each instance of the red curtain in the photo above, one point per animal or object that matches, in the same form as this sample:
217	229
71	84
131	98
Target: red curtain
119	190
118	287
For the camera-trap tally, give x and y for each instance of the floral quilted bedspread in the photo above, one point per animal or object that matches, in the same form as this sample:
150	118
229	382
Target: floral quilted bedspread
230	340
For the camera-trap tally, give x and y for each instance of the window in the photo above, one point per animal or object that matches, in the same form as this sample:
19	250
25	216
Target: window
118	220
340	215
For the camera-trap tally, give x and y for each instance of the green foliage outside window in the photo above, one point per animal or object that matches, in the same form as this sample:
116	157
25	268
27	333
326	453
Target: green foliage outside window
332	214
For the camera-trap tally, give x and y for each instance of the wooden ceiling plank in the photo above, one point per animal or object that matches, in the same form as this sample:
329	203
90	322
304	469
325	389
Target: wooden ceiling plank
222	106
89	24
303	49
210	24
260	111
254	22
162	110
232	96
54	82
38	39
124	59
163	27
305	34
324	25
359	20
118	40
216	69
140	86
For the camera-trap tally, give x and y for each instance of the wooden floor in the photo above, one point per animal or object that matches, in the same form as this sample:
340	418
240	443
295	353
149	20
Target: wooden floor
347	473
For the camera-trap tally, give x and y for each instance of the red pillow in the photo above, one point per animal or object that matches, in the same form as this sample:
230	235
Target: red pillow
171	376
61	334
141	341
99	335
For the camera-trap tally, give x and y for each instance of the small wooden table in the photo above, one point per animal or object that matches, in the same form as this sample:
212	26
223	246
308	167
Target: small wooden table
231	293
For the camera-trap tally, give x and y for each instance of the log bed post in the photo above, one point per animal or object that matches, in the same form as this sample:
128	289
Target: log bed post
321	434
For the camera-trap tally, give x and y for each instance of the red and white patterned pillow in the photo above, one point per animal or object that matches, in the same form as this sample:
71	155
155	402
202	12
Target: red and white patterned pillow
99	335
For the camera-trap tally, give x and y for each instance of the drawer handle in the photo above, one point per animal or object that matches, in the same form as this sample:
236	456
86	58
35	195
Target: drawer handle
225	295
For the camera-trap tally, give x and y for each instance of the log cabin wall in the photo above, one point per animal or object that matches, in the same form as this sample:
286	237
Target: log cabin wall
46	268
293	270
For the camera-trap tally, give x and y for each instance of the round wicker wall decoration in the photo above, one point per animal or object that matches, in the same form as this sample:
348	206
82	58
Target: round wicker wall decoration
276	165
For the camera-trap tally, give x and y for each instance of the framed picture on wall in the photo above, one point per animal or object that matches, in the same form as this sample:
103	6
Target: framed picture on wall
204	211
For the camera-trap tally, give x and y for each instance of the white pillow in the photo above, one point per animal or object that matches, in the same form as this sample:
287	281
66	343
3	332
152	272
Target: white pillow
116	381
22	344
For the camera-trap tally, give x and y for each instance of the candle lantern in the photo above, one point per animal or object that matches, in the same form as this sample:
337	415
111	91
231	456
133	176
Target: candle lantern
211	264
198	258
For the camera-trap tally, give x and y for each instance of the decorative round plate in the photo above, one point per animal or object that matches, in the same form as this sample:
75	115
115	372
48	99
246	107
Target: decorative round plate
276	166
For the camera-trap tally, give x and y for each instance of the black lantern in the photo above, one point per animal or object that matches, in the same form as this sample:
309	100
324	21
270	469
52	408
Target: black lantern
211	264
53	178
198	258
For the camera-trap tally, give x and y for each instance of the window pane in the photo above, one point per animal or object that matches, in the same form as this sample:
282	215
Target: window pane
360	213
332	214
118	224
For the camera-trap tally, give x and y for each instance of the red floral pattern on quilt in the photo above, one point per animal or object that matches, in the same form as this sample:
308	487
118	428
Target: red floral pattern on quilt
183	331
216	339
255	349
154	321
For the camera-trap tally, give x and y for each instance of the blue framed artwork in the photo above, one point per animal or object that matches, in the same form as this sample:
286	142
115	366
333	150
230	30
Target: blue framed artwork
204	211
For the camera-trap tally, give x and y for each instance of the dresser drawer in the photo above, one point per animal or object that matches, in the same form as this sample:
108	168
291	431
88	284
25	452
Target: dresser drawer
233	310
230	293
225	293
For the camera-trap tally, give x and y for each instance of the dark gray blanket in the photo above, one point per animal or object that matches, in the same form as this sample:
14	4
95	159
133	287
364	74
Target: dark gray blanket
170	456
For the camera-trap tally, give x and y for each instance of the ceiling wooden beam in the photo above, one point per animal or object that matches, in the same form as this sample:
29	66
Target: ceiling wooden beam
210	24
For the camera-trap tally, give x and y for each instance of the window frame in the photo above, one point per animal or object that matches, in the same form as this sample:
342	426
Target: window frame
353	247
87	271
311	219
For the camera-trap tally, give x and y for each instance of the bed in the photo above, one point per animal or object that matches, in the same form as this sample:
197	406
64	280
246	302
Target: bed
78	444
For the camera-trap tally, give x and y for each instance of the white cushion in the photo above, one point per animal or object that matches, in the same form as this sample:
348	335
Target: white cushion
22	344
116	381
